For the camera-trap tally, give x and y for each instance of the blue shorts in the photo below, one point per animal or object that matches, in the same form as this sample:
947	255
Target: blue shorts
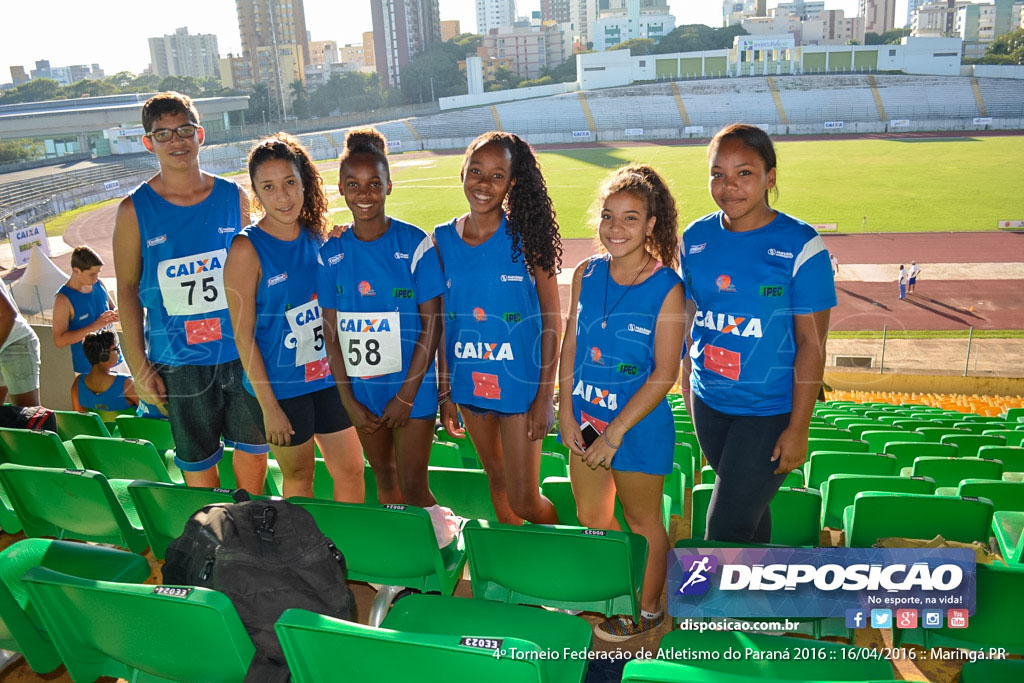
913	280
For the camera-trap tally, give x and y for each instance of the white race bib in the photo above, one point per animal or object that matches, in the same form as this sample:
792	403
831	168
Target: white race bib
193	284
371	343
307	333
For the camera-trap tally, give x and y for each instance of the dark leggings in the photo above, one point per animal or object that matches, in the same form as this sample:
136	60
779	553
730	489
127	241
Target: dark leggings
739	449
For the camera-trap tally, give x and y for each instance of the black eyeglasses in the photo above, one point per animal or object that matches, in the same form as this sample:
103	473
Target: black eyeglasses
165	134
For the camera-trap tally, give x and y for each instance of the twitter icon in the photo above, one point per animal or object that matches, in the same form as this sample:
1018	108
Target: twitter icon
881	618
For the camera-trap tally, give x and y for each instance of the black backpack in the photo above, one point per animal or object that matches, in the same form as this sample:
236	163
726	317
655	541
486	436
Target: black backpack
267	556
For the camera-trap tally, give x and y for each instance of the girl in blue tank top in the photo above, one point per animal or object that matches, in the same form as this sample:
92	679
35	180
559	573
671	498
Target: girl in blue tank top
501	317
620	357
380	284
101	390
278	326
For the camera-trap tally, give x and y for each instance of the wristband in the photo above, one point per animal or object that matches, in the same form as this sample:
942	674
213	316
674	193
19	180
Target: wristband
610	444
403	400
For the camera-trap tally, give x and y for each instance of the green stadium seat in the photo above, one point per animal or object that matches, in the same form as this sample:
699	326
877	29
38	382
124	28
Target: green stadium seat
73	504
848	422
101	628
910	424
907	452
369	482
878	515
553	445
164	508
675	489
71	423
554	566
553	465
35	449
840	663
1008	526
967	445
936	434
1012	457
466	492
443	454
559	491
121	458
796	513
999	603
829	433
157	432
700	500
993	671
839	490
794	478
1005	495
973	427
20	628
951	471
823	464
815	445
320	649
876	440
859	430
1014	414
9	521
552	631
392	545
1014	437
687	457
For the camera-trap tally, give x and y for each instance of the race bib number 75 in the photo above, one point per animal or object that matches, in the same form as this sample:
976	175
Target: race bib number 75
193	284
371	343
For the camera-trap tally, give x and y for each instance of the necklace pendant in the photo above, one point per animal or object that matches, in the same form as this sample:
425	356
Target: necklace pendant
604	324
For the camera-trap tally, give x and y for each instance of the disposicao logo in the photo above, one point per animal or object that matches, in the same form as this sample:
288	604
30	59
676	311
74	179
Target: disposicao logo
696	570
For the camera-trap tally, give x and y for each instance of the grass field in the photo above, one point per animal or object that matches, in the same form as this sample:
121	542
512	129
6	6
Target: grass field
56	226
899	185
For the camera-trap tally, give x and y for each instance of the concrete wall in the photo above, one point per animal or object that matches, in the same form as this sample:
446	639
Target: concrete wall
55	371
483	99
994	71
937	384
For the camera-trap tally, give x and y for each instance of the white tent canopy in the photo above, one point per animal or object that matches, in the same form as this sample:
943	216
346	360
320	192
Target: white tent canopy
35	290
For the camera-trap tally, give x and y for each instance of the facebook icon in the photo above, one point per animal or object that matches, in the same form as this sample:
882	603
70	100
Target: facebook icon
856	618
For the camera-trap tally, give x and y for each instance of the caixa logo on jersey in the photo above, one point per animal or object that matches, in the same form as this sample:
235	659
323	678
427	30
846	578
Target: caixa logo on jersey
201	264
816	582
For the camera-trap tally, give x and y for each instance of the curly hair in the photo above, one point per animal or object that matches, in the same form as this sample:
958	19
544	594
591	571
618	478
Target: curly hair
314	217
754	138
369	141
97	346
531	216
644	182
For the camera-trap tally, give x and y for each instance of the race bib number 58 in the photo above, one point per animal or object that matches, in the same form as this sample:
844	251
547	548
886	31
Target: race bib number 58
371	343
193	284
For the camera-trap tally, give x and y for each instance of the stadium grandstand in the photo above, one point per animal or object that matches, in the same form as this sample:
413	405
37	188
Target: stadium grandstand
87	512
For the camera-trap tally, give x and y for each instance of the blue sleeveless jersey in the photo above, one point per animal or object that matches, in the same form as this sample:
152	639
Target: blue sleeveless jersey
110	400
492	322
747	287
87	308
289	329
613	362
182	287
376	288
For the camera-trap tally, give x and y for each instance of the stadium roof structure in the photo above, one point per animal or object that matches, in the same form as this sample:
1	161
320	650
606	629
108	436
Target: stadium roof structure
94	114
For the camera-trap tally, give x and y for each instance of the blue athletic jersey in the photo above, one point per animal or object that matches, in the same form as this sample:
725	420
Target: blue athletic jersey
376	288
86	308
613	362
492	322
110	400
182	286
747	287
289	330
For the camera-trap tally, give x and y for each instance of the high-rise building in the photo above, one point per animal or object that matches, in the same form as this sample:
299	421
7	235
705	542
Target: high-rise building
912	6
401	30
802	9
324	52
625	20
936	19
832	27
18	75
583	13
492	14
276	45
368	61
735	11
530	48
352	54
879	15
450	29
556	10
182	54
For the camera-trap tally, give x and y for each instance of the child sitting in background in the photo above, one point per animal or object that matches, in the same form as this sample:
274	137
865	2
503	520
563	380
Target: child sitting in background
100	390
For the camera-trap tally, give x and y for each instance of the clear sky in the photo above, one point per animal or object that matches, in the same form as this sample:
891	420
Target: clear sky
115	34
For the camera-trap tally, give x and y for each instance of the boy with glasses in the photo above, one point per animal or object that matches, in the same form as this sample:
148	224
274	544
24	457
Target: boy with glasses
170	242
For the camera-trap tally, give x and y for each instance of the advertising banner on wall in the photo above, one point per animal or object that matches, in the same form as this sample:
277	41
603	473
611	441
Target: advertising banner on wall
23	239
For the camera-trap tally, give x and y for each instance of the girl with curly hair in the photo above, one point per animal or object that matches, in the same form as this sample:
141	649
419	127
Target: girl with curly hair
380	284
620	357
277	321
501	310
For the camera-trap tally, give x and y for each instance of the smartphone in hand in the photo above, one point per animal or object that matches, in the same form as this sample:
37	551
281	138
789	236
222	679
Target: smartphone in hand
590	434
